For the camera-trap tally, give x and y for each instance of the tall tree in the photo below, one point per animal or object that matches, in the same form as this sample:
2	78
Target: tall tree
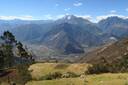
8	49
7	46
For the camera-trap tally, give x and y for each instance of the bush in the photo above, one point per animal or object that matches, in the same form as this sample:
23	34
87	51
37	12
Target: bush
52	76
57	75
69	75
97	69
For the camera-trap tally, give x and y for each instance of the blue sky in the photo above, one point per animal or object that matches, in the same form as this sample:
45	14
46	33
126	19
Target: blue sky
93	10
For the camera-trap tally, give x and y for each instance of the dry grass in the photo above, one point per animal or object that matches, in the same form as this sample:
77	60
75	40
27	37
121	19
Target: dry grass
108	79
102	79
41	69
71	81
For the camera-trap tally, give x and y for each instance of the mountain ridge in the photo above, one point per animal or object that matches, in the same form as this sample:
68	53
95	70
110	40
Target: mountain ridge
82	31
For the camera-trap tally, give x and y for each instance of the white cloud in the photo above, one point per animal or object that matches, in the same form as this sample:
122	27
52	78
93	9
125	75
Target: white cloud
67	9
60	16
52	17
48	16
28	17
78	4
88	17
113	11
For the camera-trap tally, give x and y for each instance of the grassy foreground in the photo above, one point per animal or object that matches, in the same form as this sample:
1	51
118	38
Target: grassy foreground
102	79
41	69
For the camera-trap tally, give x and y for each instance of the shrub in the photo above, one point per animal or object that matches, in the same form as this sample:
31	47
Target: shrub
69	75
52	76
97	69
57	75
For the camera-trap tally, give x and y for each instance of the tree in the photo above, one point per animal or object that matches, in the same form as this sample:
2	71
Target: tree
1	59
7	47
23	53
8	57
8	38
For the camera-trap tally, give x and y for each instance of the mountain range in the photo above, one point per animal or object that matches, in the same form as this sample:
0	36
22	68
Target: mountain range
67	35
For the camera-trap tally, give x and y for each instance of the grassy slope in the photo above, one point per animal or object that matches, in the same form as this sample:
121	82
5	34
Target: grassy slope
41	69
72	81
103	79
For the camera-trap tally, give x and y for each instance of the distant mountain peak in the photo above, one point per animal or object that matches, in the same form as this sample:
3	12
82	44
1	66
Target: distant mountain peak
68	17
72	19
112	18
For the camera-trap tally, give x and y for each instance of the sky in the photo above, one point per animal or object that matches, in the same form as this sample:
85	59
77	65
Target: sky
93	10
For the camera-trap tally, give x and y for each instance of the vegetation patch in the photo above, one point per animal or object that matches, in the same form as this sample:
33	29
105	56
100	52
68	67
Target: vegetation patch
104	66
39	70
51	76
61	66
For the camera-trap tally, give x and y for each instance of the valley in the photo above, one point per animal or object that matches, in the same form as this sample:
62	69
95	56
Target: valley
67	35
